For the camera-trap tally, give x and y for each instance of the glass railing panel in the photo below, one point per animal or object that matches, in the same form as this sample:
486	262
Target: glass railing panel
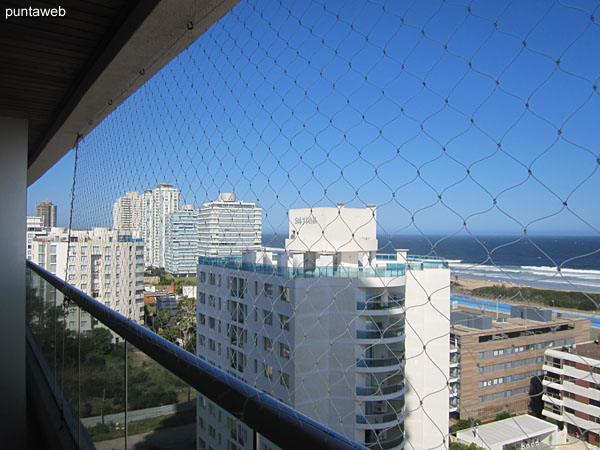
161	408
102	385
44	316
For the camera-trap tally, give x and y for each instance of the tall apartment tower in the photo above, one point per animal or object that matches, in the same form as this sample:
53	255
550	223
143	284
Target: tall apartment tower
127	214
156	204
104	264
181	249
229	227
47	211
334	330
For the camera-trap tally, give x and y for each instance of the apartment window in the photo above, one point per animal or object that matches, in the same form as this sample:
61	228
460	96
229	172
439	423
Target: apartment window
211	279
84	258
202	319
211	345
84	323
53	259
71	323
267	317
284	322
202	277
255	288
84	267
268	371
284	351
106	285
71	259
71	277
53	249
107	249
95	249
107	258
72	268
269	290
211	300
202	340
84	249
107	268
284	379
267	344
84	286
202	298
284	293
107	276
211	322
53	268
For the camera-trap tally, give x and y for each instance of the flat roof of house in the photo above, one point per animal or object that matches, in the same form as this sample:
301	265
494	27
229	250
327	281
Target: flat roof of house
514	324
507	431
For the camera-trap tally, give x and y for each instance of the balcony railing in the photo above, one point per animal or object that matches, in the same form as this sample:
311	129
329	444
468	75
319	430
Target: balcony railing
105	375
379	390
385	444
379	362
379	418
380	334
380	304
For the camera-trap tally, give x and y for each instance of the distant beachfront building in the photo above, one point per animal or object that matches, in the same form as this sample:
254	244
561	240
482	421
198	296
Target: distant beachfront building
572	389
229	227
105	265
156	204
181	248
47	211
127	214
492	361
332	329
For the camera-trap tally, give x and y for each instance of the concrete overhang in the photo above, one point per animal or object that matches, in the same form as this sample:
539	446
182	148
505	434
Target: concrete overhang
149	35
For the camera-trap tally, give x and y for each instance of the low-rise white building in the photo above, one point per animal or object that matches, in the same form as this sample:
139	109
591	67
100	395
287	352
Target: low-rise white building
523	431
352	339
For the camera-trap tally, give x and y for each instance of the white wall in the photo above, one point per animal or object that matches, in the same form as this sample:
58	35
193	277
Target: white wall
337	229
13	186
427	369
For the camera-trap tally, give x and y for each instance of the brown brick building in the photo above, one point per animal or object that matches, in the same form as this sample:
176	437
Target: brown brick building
492	362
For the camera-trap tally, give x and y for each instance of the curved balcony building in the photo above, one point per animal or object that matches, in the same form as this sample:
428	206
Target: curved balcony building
327	324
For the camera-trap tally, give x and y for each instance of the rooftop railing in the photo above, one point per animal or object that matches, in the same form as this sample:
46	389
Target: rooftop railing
129	381
390	269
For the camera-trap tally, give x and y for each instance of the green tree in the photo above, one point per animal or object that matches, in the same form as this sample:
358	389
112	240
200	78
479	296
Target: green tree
503	415
463	424
459	446
101	341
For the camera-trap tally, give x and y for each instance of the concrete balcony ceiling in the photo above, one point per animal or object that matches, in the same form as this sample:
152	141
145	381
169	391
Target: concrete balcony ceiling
66	74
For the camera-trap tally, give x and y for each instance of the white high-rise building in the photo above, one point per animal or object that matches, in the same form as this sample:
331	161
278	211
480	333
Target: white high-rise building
104	264
229	227
127	213
181	249
35	227
156	204
355	340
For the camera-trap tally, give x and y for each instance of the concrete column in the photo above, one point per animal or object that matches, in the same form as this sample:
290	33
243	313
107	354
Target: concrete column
13	192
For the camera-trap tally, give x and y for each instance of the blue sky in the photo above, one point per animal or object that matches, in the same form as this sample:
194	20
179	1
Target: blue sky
440	113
